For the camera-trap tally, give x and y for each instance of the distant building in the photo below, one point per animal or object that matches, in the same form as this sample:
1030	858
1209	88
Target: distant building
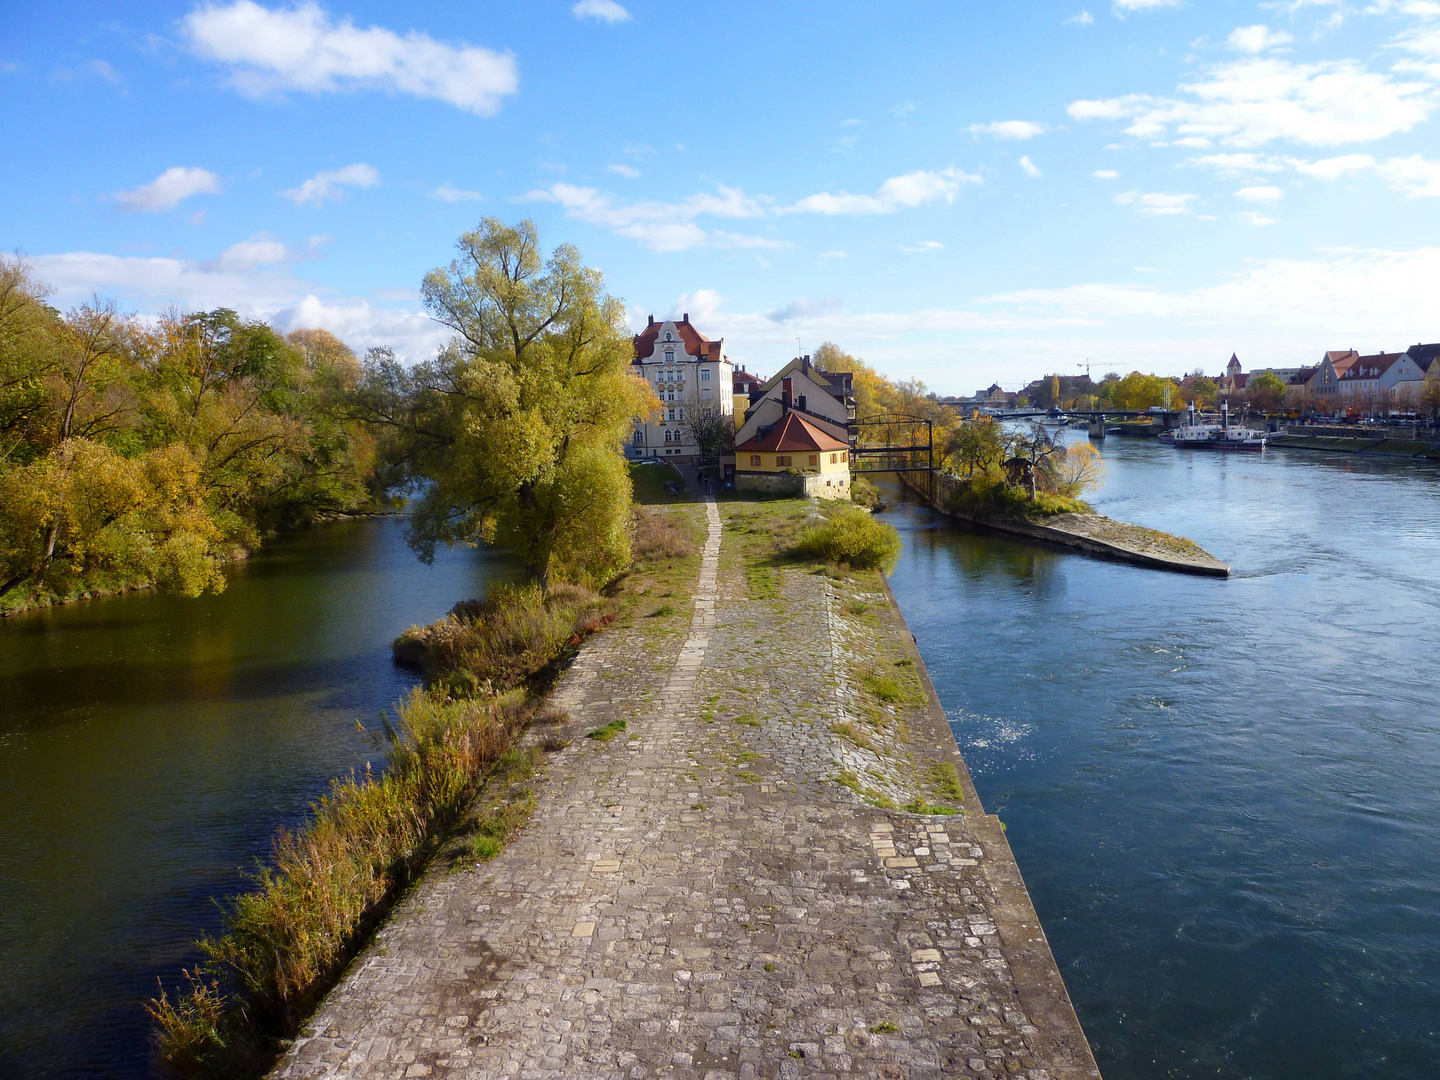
692	379
1333	365
744	385
826	398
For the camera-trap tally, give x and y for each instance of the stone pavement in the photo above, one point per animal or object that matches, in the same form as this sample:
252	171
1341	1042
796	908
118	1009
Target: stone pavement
699	898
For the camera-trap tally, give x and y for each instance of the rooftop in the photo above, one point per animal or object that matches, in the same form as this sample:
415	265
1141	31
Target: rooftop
794	433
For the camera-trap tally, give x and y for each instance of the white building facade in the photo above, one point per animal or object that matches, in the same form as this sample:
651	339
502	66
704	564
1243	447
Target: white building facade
693	380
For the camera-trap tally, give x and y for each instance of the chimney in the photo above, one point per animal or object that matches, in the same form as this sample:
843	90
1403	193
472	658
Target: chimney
785	393
685	318
652	320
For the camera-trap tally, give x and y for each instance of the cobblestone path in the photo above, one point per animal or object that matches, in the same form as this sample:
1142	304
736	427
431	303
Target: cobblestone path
699	898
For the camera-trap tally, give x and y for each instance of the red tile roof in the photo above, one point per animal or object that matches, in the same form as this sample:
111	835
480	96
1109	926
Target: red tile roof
794	433
1369	367
696	343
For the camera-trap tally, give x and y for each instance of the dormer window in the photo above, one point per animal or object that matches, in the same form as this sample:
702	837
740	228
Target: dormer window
668	336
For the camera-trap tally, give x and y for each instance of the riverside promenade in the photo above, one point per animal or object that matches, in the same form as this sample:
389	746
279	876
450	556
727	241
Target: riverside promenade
728	888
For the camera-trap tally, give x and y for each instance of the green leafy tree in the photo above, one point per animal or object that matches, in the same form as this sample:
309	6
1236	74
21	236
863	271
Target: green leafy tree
1265	391
516	427
1139	391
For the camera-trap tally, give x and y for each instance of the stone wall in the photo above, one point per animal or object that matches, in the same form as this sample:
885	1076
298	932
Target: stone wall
811	485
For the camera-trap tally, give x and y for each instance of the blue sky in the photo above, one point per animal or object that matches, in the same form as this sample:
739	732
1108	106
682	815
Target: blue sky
959	193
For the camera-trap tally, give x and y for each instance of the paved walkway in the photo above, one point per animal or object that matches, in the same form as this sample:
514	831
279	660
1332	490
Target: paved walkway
699	899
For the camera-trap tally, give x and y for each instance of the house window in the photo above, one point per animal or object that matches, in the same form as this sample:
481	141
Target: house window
834	459
669	356
781	461
672	415
705	375
844	455
705	413
814	459
667	336
705	391
754	459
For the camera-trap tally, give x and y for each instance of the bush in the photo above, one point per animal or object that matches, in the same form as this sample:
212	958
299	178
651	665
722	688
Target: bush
864	493
852	538
505	640
984	497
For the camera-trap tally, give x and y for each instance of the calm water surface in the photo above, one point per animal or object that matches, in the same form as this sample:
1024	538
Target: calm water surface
1224	795
149	746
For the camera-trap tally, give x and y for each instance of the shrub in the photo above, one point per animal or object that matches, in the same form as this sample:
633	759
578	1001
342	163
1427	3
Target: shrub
852	538
864	493
505	640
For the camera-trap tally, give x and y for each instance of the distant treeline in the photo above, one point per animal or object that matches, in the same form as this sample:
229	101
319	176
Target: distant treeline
138	453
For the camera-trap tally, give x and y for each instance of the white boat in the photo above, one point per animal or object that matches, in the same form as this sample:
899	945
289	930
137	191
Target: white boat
1221	436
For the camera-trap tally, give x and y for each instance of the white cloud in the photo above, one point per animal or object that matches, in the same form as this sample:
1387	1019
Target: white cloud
301	48
1157	204
1262	193
1105	174
1084	18
168	190
835	253
324	186
1009	129
106	72
898	193
1415	176
259	250
924	245
1031	169
1235	164
448	192
1249	103
803	309
624	170
1257	39
1347	292
661	226
1250	217
1336	167
1125	7
600	10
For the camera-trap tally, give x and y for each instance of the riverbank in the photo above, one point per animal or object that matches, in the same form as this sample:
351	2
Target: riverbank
1377	447
770	852
1092	534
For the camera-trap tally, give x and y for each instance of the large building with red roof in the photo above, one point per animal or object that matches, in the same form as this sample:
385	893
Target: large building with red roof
693	380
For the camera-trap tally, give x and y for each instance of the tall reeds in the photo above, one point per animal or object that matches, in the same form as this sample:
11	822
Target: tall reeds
329	882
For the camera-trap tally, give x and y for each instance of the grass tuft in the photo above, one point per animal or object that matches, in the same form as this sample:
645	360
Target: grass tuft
608	732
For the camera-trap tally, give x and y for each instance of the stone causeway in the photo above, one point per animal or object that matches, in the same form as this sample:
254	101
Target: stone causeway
699	899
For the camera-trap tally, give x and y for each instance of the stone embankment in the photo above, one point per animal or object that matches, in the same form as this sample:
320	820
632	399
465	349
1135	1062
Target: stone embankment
763	875
1095	534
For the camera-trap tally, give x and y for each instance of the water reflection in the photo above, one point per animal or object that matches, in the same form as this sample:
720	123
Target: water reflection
150	745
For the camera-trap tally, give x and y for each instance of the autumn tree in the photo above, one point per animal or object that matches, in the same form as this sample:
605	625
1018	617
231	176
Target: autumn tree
1080	469
516	427
1139	391
976	446
1430	391
1265	392
712	430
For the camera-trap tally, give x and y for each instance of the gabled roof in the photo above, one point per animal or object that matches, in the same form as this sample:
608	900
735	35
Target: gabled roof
794	433
744	381
696	343
1423	355
1341	360
1303	376
1369	367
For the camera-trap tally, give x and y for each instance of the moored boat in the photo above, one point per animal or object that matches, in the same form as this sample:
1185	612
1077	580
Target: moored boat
1221	436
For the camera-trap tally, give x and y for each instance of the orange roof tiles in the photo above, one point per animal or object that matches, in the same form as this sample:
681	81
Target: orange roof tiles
696	343
794	433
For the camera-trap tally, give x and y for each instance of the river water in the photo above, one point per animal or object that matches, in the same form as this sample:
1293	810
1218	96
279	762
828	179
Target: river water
150	746
1224	794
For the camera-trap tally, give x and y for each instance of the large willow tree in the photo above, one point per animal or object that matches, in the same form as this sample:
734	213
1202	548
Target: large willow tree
515	430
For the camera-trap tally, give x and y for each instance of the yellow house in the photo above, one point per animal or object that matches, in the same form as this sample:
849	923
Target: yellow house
795	457
743	384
